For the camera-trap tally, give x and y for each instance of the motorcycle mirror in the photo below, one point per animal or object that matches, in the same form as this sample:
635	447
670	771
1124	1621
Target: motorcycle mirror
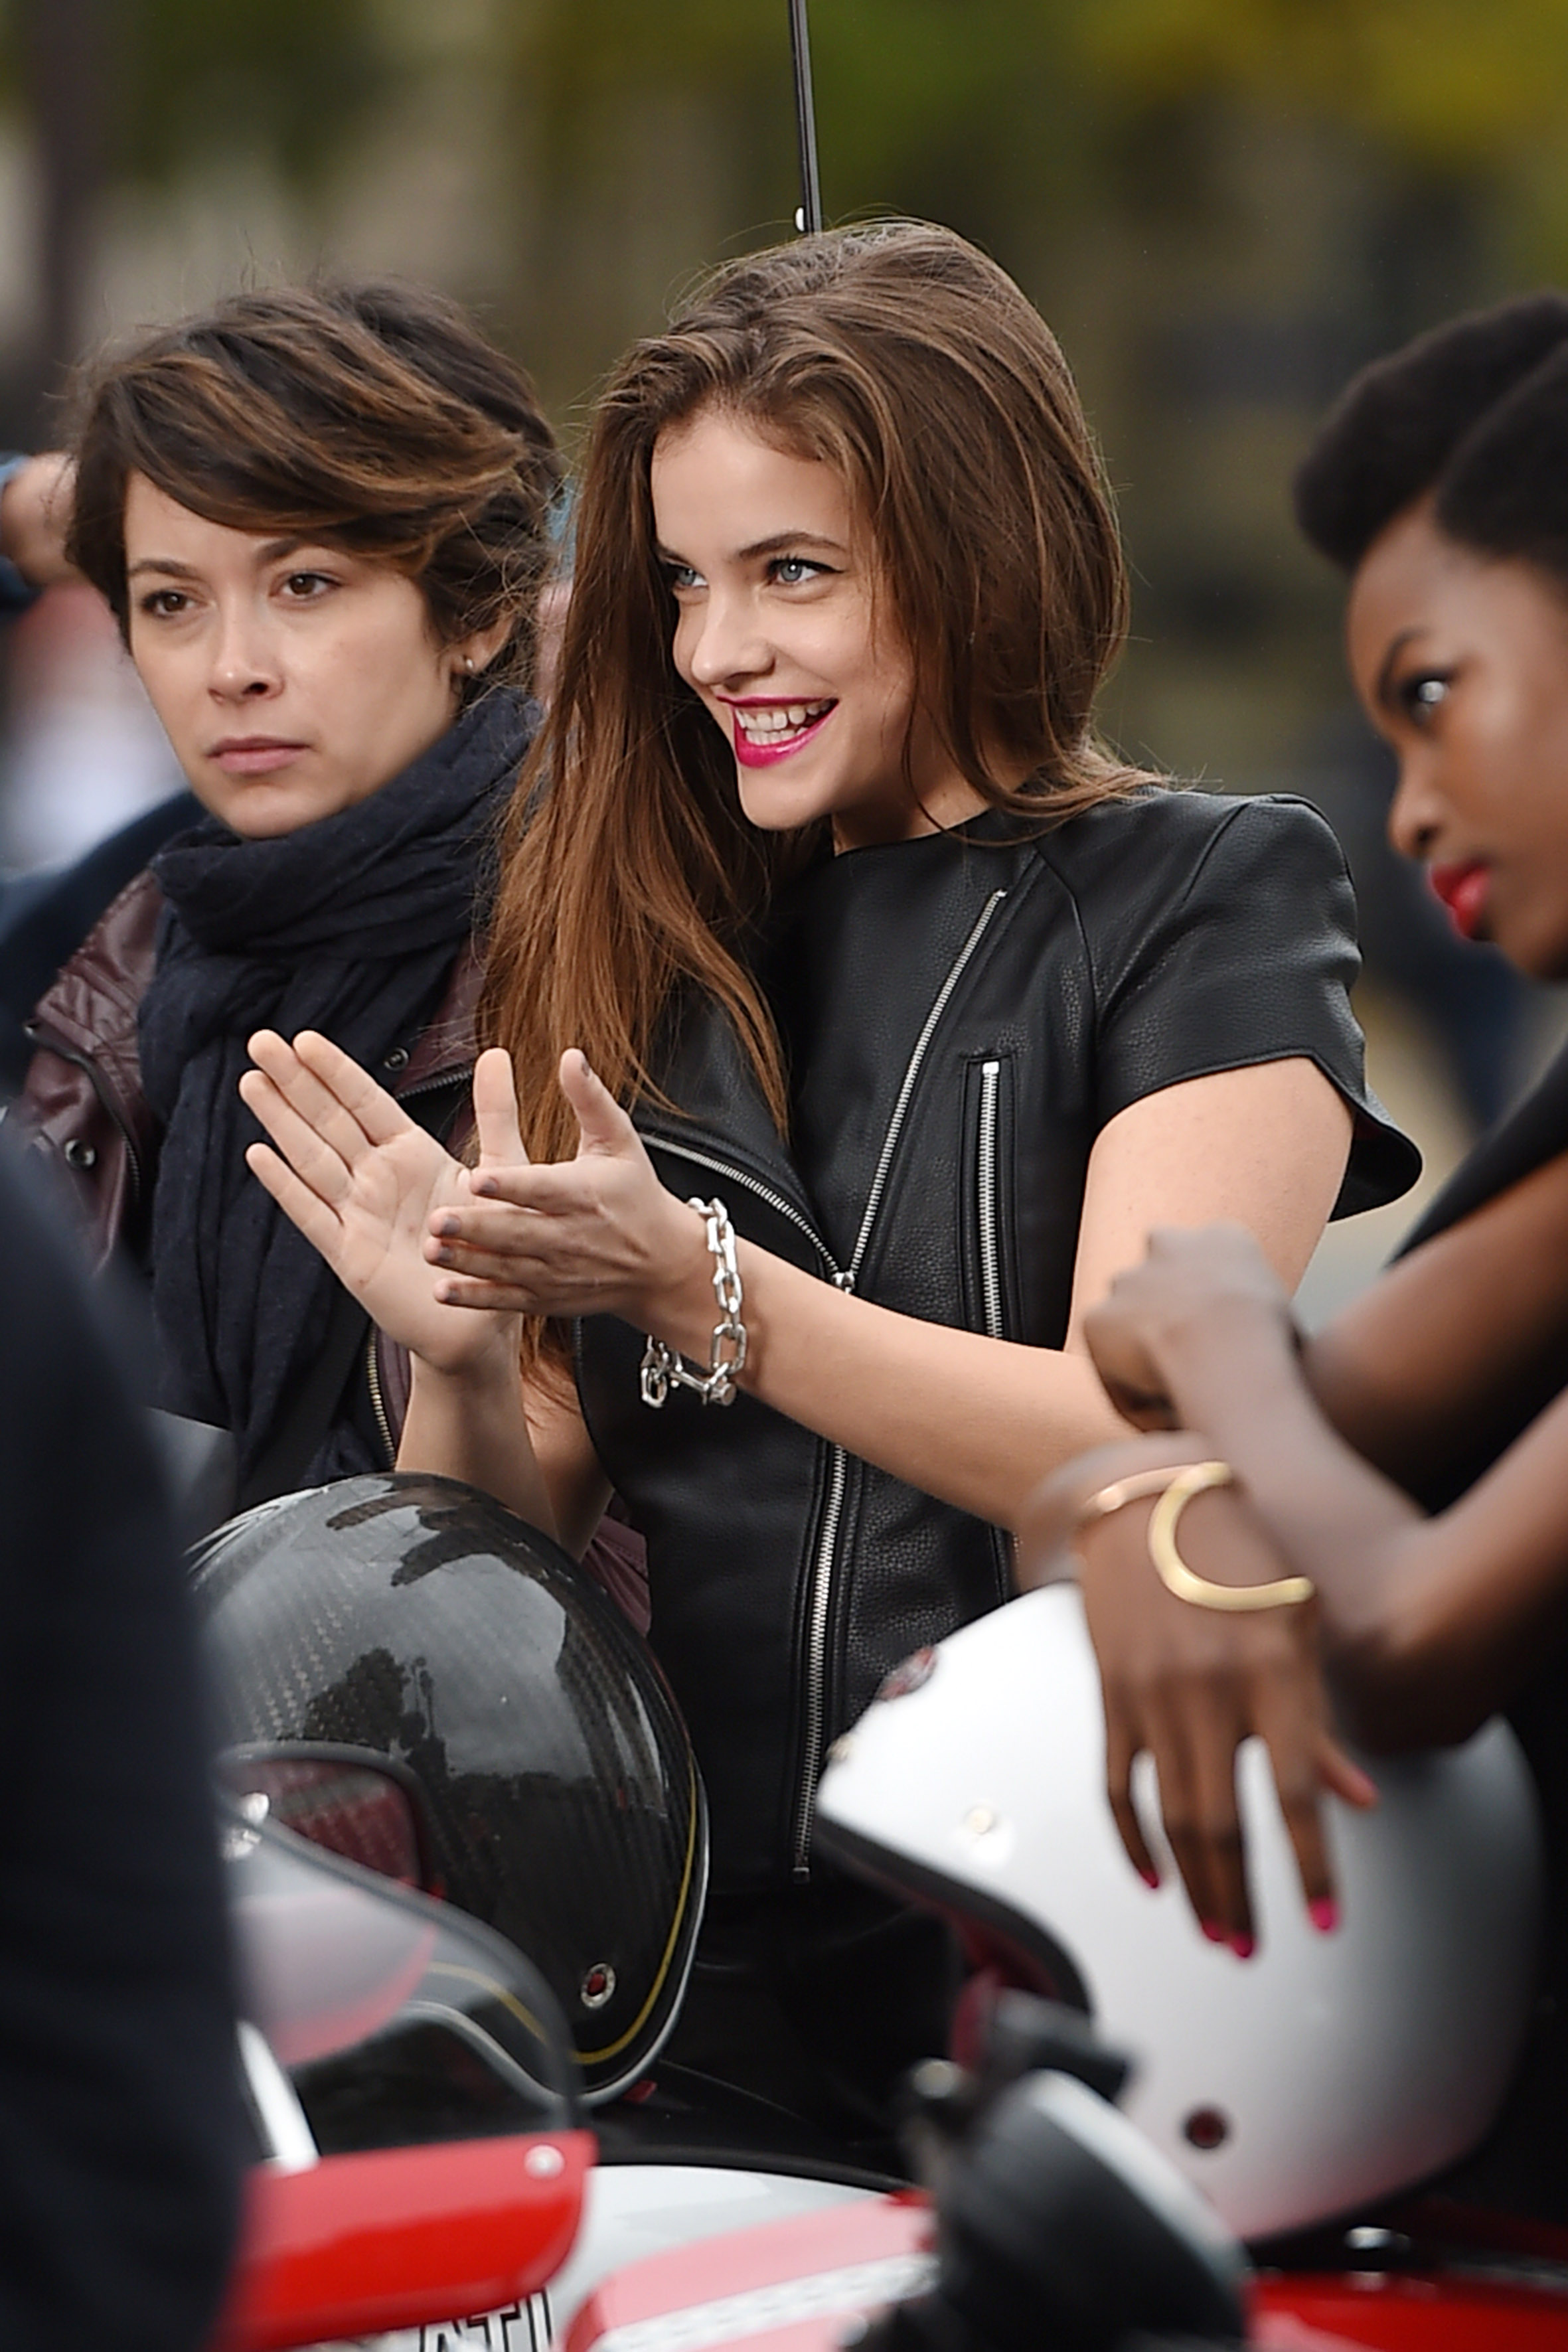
401	2238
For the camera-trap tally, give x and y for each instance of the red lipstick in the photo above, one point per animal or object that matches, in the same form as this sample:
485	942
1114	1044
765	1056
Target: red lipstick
1463	890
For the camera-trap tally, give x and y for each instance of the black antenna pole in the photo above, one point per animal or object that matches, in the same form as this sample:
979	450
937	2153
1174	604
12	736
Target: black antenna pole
808	219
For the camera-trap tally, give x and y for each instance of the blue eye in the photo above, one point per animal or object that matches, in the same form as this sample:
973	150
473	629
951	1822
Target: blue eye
794	570
682	576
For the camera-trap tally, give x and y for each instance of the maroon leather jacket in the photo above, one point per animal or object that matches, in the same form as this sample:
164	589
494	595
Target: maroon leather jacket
83	1098
84	1108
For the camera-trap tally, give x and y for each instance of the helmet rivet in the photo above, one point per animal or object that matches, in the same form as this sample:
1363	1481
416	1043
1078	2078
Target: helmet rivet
1206	2128
545	2163
597	1986
979	1821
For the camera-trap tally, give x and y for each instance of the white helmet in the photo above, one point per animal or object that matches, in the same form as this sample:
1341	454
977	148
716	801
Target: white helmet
1326	2072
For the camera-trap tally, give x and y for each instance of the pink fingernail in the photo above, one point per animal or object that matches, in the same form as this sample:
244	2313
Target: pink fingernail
1150	1879
1244	1946
1214	1933
1324	1914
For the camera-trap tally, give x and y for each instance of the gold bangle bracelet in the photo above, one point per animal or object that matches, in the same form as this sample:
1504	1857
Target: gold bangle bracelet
1284	1592
1136	1487
1175	1486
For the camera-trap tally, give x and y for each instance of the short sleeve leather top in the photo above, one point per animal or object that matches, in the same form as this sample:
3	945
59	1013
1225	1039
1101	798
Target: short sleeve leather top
963	1014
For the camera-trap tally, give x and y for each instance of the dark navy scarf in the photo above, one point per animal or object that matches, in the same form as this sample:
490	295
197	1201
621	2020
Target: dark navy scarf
350	925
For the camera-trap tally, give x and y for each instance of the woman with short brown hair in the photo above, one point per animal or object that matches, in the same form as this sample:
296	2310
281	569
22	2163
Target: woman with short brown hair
322	520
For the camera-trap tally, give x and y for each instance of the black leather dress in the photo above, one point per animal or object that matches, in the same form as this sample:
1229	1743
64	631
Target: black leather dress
962	1012
1523	2165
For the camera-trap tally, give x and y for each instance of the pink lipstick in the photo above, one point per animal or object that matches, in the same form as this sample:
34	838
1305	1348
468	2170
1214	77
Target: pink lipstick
764	745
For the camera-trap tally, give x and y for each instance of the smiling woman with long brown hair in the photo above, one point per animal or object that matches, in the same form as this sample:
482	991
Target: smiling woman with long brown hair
826	907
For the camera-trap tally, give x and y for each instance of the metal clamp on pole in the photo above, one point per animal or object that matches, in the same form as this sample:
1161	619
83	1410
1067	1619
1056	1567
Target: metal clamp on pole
808	218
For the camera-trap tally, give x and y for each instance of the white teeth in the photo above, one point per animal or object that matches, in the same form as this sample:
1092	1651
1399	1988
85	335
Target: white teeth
778	723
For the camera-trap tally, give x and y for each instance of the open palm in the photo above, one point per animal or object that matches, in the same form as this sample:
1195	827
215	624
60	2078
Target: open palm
362	1181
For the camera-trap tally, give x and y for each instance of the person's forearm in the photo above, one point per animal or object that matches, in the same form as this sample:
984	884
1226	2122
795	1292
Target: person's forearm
1456	1347
473	1427
1243	1387
973	1421
1429	1623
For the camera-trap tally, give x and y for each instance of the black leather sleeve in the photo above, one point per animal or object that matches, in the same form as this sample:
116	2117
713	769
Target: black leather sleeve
1227	938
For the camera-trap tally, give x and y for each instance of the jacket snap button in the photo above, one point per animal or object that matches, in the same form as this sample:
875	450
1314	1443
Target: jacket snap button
80	1154
397	1059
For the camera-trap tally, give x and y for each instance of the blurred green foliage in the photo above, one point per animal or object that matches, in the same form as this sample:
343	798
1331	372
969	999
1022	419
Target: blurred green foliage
1010	86
1225	205
196	80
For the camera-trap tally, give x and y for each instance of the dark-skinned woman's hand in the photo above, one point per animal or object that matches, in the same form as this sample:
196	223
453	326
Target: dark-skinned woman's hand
1191	1283
1190	1684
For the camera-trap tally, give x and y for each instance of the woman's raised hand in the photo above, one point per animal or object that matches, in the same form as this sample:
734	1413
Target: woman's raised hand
362	1181
596	1234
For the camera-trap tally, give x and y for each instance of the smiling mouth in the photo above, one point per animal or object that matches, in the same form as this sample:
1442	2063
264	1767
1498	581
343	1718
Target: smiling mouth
765	731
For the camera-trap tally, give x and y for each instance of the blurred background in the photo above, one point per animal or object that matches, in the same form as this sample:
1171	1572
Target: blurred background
1224	206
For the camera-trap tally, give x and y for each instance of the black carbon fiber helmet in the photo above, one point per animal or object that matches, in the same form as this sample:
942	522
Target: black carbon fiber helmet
407	1623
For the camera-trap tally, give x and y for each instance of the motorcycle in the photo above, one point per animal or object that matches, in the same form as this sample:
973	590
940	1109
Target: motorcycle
1293	2105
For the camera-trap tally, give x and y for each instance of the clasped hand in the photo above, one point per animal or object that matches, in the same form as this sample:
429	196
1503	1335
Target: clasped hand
445	1257
1191	1287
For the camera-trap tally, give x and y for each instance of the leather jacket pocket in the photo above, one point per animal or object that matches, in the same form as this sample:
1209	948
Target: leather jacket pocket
987	1237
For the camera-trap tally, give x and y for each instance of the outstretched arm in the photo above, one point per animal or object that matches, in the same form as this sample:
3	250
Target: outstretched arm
969	1419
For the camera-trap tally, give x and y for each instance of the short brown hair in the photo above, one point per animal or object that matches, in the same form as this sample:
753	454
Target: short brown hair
372	417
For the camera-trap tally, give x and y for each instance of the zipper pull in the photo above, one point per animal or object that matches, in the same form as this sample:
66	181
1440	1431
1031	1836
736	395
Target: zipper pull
844	1281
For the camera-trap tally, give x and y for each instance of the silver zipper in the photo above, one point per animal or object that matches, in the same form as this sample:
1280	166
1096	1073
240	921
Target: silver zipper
377	1401
839	1472
895	1124
840	1278
816	1657
827	1543
986	1190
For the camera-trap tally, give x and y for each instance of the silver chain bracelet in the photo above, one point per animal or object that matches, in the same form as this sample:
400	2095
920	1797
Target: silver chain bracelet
662	1368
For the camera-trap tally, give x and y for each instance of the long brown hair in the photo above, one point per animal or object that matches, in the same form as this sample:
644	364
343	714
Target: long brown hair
373	417
914	365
